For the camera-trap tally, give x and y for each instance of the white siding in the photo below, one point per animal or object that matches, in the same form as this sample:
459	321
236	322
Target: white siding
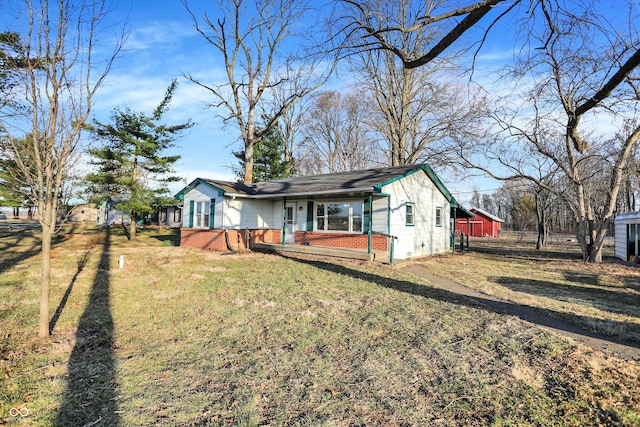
235	213
380	224
247	213
202	193
423	238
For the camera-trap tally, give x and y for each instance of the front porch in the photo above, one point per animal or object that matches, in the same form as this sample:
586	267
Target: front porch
358	254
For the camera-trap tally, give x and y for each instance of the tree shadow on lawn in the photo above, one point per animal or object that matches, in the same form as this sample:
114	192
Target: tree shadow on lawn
174	238
541	317
519	252
9	239
82	262
90	395
620	302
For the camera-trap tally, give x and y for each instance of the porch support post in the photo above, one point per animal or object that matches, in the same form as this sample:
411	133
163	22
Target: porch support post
453	231
369	223
284	219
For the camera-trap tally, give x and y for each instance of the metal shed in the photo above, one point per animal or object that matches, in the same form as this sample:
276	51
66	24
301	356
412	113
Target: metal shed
627	236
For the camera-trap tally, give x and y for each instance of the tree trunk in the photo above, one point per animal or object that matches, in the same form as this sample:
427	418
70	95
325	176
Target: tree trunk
541	236
542	222
132	227
248	163
45	281
595	255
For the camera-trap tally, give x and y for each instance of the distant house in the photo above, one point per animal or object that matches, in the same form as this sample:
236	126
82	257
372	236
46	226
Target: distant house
87	212
483	224
394	212
627	236
109	215
168	216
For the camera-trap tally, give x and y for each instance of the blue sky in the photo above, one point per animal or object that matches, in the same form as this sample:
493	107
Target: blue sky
163	44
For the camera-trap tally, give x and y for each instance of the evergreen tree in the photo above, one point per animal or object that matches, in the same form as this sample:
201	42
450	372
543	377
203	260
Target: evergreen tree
11	194
131	167
15	193
268	158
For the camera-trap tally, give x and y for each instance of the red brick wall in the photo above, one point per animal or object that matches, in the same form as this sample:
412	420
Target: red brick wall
340	240
215	239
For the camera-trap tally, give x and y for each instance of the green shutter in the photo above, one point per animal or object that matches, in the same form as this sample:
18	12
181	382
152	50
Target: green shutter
212	206
310	216
191	207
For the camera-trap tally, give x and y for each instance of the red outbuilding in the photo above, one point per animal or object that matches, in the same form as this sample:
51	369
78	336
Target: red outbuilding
483	225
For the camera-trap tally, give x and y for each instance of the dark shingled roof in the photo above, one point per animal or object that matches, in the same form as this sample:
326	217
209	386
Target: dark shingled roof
334	181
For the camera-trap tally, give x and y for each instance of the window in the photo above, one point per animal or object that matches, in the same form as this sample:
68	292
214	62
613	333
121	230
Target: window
410	218
339	216
438	216
202	214
177	215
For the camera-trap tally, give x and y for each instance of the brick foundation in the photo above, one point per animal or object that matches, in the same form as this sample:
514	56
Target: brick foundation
341	240
215	239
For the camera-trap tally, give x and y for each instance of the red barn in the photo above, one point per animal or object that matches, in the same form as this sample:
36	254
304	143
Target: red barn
483	225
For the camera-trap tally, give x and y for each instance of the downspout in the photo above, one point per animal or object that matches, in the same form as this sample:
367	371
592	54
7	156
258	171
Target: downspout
226	239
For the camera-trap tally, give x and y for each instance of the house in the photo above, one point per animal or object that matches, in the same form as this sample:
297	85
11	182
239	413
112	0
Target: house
396	212
86	212
627	236
109	215
168	216
483	224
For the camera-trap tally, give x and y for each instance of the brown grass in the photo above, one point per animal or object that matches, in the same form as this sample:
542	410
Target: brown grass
186	337
602	297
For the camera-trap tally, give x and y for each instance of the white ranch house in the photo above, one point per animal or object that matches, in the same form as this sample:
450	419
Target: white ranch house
386	213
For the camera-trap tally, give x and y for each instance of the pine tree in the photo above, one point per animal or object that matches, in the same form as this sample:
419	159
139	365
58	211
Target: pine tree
131	167
268	158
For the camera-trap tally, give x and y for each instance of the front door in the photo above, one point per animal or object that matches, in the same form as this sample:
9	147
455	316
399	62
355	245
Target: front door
289	222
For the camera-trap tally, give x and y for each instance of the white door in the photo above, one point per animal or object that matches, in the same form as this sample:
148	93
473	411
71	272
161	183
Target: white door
289	222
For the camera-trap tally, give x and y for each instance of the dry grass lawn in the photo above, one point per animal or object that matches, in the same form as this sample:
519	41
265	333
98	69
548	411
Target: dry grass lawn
183	337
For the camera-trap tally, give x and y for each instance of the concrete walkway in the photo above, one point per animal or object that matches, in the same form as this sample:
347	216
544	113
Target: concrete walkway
623	349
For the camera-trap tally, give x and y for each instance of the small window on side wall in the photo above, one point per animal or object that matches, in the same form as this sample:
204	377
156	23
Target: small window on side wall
438	216
411	213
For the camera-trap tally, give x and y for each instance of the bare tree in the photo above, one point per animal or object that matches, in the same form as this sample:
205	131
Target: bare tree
252	39
583	71
364	25
337	138
414	107
291	124
59	77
